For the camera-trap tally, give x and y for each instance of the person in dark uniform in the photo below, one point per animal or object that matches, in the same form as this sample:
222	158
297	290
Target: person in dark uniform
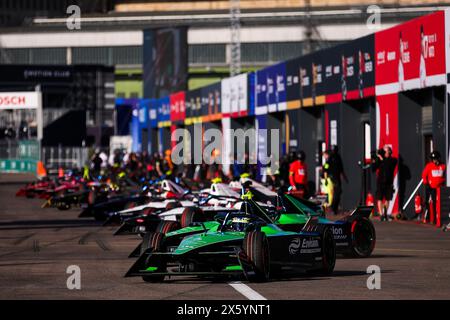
384	165
335	171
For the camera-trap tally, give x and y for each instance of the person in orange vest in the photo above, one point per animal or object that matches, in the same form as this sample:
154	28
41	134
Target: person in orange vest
298	178
433	177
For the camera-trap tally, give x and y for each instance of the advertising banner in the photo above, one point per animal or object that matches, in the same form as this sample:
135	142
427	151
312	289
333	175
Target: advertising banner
271	89
193	106
135	127
152	112
332	74
177	107
262	143
163	107
211	102
251	87
235	96
225	85
261	106
19	100
276	77
293	83
305	74
357	76
317	79
411	55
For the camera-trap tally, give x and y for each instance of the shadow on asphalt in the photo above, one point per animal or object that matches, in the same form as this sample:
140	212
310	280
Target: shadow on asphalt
42	224
284	277
391	256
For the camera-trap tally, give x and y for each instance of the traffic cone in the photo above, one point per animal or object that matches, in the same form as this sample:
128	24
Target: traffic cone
40	170
369	200
60	172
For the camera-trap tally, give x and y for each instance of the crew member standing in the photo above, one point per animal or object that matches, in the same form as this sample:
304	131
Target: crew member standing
433	177
335	171
384	165
298	173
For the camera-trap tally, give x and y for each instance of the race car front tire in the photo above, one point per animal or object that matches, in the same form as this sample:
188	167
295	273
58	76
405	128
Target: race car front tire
153	240
256	247
167	226
191	214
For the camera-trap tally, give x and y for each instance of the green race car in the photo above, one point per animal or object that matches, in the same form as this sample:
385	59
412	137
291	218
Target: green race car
246	241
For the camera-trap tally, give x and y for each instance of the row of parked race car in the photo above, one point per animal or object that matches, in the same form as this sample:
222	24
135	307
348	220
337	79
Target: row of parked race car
226	229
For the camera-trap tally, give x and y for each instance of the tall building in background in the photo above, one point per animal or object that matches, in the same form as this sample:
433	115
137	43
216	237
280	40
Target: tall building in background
14	13
165	63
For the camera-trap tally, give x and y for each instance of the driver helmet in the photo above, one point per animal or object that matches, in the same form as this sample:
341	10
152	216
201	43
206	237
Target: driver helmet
239	223
435	155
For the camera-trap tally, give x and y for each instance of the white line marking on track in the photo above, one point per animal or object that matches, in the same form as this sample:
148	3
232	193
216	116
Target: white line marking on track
246	291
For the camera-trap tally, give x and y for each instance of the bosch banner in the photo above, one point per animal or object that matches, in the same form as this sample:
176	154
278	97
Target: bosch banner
19	100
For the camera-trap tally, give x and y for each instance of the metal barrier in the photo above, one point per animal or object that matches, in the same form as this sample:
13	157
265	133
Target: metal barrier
19	155
23	155
64	157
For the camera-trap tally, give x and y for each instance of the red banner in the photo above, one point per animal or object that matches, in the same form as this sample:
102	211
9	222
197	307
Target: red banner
387	134
411	55
177	106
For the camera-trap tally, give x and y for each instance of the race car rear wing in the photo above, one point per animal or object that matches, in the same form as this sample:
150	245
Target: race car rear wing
362	211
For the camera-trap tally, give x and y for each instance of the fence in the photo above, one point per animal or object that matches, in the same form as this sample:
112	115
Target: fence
64	157
19	155
23	155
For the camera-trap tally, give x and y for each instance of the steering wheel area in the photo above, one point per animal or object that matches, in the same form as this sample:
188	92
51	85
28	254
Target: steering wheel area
240	221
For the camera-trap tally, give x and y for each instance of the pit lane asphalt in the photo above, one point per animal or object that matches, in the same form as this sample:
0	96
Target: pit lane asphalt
37	245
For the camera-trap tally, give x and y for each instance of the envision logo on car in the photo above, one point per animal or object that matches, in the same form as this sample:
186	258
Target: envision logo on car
296	243
294	246
338	233
310	243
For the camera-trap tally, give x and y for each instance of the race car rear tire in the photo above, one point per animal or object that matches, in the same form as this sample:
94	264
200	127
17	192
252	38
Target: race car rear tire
328	251
172	205
363	238
256	247
191	214
167	226
91	197
153	240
